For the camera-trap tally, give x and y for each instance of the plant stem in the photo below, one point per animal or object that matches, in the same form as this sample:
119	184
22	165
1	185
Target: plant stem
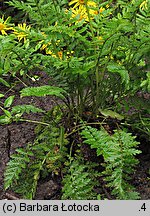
95	102
33	121
89	17
79	127
21	81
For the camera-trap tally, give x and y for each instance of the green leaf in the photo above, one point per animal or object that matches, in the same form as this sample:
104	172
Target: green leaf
120	69
15	166
1	95
8	102
112	114
5	119
7	65
42	91
22	72
4	82
23	152
146	82
125	26
25	108
7	113
118	151
79	182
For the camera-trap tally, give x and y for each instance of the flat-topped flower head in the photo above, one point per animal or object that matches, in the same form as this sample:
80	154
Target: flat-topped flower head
22	31
4	26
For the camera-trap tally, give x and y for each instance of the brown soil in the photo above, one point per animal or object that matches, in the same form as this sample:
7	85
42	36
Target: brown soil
19	134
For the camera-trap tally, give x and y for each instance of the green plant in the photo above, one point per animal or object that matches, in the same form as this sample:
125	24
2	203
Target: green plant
96	54
79	181
16	112
110	34
118	151
44	156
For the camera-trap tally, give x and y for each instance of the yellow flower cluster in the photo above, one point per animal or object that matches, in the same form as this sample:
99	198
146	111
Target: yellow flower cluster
21	31
79	10
80	14
45	47
58	54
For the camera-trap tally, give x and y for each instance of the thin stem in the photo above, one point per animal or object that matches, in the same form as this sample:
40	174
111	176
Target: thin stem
1	108
79	127
33	121
19	58
39	11
89	17
21	81
143	122
70	154
97	66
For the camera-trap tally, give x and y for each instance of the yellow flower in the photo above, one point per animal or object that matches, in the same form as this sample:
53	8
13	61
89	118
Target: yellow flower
101	9
43	33
100	38
144	5
47	48
3	26
44	46
68	53
80	14
60	54
91	4
81	3
48	52
79	9
93	12
78	3
22	31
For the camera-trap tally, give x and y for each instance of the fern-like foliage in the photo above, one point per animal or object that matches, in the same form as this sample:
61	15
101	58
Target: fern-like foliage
116	68
46	156
18	162
42	91
36	10
119	152
20	109
79	182
18	4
